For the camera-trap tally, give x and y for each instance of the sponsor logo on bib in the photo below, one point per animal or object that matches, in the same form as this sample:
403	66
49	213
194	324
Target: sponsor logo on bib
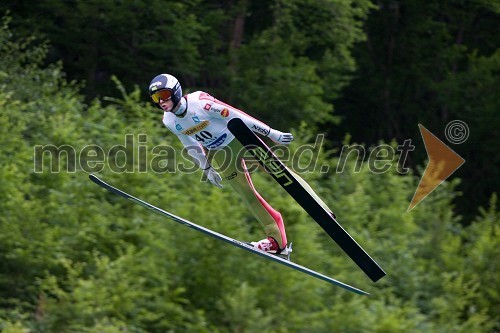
196	128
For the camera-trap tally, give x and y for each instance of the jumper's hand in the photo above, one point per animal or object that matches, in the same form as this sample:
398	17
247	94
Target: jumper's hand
213	177
280	137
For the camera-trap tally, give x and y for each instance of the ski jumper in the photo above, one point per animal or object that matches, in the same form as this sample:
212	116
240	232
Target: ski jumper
204	127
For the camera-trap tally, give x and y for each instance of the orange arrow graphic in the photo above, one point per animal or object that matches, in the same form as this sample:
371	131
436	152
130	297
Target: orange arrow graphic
443	161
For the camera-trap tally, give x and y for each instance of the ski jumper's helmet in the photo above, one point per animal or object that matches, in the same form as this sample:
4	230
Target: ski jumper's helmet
165	86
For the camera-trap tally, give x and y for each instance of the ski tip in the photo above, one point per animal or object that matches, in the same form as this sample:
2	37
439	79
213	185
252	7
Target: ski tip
96	179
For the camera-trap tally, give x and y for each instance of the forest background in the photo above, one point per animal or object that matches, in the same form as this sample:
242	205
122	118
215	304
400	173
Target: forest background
74	75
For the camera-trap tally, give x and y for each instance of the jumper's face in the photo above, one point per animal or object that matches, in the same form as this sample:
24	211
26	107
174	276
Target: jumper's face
166	105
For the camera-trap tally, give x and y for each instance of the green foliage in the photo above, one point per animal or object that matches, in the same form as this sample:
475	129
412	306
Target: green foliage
89	35
134	291
296	75
481	244
75	258
305	52
303	47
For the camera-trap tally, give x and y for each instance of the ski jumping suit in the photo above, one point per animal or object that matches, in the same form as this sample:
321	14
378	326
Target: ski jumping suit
204	124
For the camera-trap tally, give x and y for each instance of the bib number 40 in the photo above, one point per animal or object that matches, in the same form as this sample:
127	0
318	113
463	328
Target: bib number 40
203	135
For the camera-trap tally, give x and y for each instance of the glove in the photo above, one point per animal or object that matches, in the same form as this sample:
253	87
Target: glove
280	137
213	176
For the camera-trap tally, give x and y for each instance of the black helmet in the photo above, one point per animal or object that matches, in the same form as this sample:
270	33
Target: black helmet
168	84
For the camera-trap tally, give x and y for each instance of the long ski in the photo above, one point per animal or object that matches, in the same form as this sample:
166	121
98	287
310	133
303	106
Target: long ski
282	175
226	239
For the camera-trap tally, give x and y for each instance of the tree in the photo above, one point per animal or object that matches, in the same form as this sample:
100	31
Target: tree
147	37
429	63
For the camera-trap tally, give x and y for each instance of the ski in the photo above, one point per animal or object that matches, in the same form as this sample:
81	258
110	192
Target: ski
282	175
226	239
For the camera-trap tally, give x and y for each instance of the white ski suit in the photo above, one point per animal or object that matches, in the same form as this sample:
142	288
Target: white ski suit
204	124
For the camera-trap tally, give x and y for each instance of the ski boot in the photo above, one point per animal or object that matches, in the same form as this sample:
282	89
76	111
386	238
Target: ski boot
270	245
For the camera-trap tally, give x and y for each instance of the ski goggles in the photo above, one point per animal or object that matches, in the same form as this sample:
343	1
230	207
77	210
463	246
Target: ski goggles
164	94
